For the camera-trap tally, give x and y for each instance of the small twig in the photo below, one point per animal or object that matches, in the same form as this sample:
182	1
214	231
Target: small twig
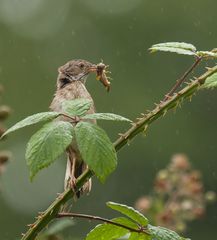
182	79
91	217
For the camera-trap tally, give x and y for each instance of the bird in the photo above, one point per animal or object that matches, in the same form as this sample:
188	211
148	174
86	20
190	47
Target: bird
71	85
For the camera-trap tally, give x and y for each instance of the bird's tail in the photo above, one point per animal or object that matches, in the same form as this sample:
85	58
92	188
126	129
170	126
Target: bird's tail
74	168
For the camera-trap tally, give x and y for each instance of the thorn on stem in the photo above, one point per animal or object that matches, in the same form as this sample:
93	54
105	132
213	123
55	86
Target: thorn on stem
164	112
208	68
145	128
121	135
31	225
168	97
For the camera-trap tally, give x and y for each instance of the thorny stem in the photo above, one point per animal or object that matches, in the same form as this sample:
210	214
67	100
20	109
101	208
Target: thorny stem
91	217
139	126
162	108
182	79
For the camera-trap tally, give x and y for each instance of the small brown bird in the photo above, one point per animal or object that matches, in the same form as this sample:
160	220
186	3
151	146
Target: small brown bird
71	85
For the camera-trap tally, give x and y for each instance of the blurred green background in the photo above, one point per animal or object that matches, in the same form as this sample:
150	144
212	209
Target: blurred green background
38	36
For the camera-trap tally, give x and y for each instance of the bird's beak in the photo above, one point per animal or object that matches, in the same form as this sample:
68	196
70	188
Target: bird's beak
92	68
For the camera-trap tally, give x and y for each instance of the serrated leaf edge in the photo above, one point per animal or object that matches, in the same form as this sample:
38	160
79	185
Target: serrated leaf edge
14	128
110	204
43	165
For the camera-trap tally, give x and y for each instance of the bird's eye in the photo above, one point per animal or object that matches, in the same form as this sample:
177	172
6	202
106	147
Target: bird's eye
81	65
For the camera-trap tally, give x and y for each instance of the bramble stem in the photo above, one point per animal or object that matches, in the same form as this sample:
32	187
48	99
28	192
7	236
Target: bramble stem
138	127
91	217
182	79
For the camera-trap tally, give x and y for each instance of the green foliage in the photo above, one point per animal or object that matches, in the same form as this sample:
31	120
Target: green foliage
135	228
107	231
47	144
139	236
211	81
33	119
126	222
53	138
182	48
130	212
161	233
106	116
175	47
172	49
180	45
77	107
96	149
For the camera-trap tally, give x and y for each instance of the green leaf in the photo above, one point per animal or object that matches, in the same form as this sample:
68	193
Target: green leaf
77	107
33	119
47	144
139	236
106	116
173	50
96	149
161	233
126	222
133	235
211	81
175	47
106	232
181	45
130	212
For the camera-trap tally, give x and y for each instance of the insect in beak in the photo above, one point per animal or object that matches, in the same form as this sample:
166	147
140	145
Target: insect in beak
101	75
100	70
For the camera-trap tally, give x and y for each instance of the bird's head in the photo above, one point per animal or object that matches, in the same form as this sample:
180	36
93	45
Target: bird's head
74	70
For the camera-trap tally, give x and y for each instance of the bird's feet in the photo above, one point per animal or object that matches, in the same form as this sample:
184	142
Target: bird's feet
72	184
74	188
